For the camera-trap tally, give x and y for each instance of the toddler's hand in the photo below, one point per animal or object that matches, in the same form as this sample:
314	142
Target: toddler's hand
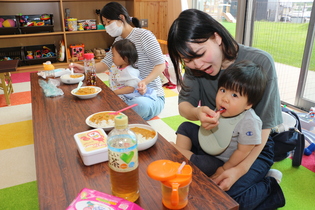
218	172
142	87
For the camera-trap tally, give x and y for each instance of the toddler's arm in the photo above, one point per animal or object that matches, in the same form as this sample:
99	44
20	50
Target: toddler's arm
238	155
124	90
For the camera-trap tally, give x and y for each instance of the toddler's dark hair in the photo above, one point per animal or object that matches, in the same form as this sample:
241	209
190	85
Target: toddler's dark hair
127	50
246	78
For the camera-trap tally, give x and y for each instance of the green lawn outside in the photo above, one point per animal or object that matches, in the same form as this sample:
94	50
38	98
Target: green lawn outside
284	41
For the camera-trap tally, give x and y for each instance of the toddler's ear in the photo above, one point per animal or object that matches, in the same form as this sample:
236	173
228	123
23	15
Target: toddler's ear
248	106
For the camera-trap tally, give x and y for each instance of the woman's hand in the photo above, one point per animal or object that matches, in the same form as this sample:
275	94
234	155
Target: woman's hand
142	87
208	118
77	68
227	178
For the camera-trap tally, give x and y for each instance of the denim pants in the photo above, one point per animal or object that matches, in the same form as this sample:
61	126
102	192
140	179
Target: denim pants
253	190
147	107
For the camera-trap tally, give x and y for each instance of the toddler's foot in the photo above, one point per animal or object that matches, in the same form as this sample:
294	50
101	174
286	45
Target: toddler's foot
275	174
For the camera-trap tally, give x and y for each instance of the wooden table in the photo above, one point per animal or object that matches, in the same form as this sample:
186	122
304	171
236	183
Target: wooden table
61	173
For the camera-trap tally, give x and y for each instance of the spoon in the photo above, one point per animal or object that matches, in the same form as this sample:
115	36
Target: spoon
79	86
220	111
71	64
128	107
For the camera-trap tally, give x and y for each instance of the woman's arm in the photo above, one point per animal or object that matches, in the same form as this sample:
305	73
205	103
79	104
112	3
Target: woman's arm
230	176
156	71
100	67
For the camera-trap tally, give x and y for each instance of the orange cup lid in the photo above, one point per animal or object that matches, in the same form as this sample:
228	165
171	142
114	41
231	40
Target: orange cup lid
167	172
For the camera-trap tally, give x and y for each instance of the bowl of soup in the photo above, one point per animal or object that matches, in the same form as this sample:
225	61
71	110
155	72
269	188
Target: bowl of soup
86	92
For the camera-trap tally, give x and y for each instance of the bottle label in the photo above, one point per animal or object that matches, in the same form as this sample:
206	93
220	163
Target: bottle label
123	159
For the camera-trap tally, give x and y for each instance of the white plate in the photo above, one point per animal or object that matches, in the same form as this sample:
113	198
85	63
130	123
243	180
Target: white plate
147	143
98	90
68	80
106	128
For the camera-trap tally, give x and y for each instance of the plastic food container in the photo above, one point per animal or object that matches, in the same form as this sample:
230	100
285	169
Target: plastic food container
93	199
92	146
72	24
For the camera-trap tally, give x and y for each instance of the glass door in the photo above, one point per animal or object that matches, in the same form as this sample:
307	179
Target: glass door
285	29
306	87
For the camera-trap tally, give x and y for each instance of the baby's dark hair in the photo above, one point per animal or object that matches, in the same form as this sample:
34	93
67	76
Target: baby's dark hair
127	50
246	78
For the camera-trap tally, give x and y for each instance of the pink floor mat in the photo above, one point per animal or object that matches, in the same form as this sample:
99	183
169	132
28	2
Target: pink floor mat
20	77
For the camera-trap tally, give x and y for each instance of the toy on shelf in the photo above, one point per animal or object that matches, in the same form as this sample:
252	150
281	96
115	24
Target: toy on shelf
47	52
7	59
8	23
99	53
44	52
77	51
37	54
61	55
29	55
23	20
45	17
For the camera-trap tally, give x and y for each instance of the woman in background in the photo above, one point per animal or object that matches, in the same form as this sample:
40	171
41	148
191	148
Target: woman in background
150	62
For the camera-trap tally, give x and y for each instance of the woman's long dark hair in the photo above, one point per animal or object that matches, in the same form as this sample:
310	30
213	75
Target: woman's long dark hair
195	26
112	11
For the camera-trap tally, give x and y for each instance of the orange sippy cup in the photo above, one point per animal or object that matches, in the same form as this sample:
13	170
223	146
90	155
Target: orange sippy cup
175	180
48	66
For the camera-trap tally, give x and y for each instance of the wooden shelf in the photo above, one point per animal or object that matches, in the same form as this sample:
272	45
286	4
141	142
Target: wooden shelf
14	36
159	23
86	31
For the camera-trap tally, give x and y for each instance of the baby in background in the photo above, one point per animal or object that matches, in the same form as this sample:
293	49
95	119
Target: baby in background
125	78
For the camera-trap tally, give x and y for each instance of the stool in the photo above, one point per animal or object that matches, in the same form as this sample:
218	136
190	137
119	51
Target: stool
5	78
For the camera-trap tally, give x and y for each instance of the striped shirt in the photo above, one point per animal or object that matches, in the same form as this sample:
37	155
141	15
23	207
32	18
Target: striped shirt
149	55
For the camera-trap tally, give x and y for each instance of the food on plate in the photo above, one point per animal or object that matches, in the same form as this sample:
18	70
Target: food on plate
143	134
102	120
76	75
86	91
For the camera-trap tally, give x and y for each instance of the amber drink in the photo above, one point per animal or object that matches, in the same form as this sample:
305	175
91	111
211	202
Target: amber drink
125	184
123	160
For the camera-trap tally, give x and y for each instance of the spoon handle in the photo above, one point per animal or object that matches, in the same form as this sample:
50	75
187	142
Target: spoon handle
128	107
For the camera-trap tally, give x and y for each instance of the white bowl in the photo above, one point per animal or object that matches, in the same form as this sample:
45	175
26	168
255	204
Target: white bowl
108	127
87	96
67	79
144	144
